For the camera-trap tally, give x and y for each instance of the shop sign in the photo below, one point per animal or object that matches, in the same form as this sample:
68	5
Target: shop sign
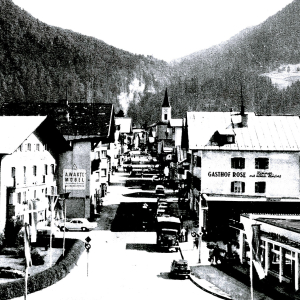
74	179
259	174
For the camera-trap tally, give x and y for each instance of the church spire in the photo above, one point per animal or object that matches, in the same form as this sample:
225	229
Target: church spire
166	100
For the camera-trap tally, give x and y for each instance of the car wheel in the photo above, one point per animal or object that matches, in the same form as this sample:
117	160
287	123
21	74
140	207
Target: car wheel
84	229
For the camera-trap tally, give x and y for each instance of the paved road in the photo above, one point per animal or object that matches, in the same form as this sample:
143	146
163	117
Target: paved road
121	265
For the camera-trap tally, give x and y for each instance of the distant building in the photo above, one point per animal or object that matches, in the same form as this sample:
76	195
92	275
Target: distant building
165	135
123	139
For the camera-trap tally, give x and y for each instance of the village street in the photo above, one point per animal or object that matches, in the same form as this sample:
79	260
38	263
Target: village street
121	264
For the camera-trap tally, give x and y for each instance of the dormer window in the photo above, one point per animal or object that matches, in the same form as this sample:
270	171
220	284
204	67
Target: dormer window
230	139
223	137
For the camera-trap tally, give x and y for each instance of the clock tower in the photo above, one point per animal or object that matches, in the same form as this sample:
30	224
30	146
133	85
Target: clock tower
166	109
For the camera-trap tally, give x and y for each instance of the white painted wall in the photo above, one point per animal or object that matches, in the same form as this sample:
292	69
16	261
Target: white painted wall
34	184
284	165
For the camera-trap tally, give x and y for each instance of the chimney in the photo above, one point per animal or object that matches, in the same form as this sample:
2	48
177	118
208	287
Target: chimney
244	117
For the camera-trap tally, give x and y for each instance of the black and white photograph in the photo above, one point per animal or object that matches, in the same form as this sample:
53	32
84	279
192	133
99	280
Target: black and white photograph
149	149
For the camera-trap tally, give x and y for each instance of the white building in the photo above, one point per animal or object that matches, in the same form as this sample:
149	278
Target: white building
29	150
242	162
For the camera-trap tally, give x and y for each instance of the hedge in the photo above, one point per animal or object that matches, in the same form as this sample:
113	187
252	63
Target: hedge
39	281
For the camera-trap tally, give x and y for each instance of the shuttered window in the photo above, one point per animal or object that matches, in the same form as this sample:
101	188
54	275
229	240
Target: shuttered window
261	163
237	187
260	187
238	163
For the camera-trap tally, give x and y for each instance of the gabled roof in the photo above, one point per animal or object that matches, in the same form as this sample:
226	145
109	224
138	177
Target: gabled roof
262	133
14	130
80	120
125	124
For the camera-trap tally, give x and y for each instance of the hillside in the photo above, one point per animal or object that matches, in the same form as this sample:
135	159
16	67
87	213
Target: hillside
39	62
212	78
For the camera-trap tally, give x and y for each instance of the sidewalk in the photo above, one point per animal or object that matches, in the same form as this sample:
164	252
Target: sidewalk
231	282
191	254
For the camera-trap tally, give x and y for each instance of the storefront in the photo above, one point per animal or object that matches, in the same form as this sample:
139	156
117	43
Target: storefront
279	246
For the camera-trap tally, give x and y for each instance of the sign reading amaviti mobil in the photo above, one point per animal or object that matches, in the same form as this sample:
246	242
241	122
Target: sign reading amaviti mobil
74	179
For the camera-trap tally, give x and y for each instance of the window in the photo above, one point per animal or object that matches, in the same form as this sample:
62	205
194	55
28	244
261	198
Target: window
24	196
24	173
261	163
34	194
19	198
34	170
97	154
260	187
46	169
13	172
103	172
230	139
52	169
166	116
103	153
237	187
37	147
28	147
238	163
20	148
198	162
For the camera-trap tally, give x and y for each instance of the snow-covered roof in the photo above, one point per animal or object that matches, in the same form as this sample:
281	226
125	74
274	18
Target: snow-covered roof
15	129
176	122
262	133
125	124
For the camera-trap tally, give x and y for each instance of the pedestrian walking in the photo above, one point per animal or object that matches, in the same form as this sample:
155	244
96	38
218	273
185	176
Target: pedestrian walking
183	235
196	242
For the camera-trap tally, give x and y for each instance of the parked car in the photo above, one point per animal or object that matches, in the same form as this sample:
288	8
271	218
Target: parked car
160	190
180	268
77	224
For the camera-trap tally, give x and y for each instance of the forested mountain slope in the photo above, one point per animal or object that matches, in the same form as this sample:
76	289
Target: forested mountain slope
213	79
39	62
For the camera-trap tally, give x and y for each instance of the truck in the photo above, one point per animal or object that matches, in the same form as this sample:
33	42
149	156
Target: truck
167	232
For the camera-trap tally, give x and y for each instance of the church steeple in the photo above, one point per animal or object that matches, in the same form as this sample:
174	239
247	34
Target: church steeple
166	100
166	109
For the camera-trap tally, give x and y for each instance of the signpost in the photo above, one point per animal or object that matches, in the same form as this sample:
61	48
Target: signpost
65	196
87	247
52	199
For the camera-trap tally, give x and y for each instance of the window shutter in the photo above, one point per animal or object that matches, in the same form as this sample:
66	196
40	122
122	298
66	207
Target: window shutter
242	163
256	163
267	164
232	187
243	187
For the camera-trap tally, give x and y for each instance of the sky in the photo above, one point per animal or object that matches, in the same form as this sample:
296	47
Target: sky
165	29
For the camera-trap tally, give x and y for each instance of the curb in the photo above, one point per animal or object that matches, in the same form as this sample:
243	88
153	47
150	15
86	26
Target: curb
218	293
205	285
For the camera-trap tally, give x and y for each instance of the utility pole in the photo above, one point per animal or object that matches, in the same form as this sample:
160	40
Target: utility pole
200	228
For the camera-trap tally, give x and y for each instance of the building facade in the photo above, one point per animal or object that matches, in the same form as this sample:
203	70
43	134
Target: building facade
29	158
241	163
